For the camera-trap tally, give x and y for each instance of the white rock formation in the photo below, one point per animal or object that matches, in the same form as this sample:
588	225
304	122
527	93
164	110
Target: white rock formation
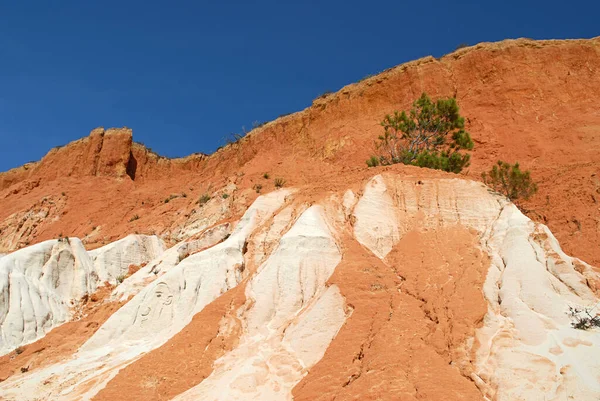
167	260
112	261
526	348
150	318
529	349
38	287
392	206
42	284
289	320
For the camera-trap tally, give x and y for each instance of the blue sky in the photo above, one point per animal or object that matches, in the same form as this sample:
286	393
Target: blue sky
185	74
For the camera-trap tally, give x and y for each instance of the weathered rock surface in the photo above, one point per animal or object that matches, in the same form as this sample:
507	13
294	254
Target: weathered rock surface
42	285
528	101
349	283
469	294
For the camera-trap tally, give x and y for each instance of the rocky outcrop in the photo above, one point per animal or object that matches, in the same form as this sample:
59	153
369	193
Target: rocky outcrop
102	153
41	286
407	286
349	283
551	133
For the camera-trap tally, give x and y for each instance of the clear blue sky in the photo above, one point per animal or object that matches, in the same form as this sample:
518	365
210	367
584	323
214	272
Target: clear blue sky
185	74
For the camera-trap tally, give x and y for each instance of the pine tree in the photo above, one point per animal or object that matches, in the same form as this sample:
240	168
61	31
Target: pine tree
510	181
430	135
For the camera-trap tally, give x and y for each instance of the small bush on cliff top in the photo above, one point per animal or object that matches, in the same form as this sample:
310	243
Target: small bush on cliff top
430	135
510	181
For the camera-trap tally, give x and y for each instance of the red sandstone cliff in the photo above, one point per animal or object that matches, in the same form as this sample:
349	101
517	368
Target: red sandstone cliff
527	101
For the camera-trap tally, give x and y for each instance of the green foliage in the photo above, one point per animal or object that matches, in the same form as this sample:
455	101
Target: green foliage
225	196
266	176
120	279
134	217
279	182
510	181
257	188
373	161
430	135
203	199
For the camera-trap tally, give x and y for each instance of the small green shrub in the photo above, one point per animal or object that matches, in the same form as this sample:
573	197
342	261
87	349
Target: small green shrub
266	176
225	196
167	200
510	181
257	188
373	161
203	199
430	135
134	218
279	182
120	279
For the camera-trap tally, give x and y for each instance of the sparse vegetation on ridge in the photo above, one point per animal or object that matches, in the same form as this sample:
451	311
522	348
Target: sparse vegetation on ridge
430	135
510	181
279	182
373	161
204	199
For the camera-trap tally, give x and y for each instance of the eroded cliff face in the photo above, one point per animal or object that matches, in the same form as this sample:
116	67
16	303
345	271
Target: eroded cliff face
118	282
527	101
410	284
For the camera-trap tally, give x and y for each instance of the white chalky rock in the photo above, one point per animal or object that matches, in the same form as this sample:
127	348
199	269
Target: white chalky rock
150	318
113	260
290	320
167	260
529	349
376	225
38	287
392	206
526	348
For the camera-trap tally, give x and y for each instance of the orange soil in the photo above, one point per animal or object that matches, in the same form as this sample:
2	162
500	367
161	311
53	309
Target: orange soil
185	360
411	316
63	340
